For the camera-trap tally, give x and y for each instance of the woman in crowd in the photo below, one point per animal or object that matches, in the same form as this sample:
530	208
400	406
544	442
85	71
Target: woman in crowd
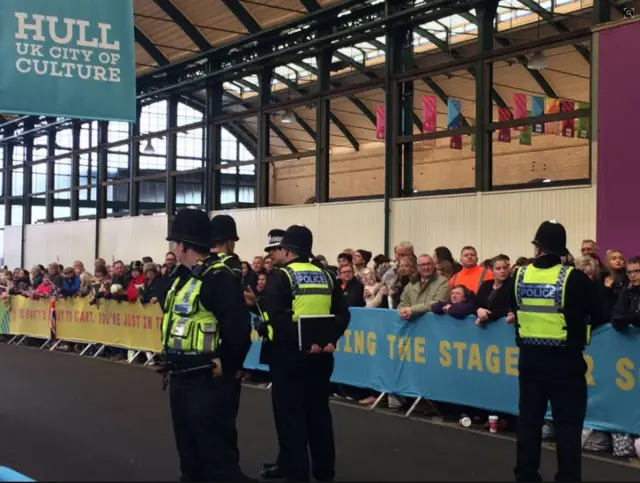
136	282
444	268
374	291
152	286
45	288
495	297
614	281
361	259
70	283
87	282
461	303
407	271
444	254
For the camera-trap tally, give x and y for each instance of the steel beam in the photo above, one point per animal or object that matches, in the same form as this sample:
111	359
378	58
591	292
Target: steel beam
323	132
556	24
406	127
76	130
134	165
183	22
150	48
8	180
262	167
101	191
602	11
310	5
484	106
172	154
51	151
242	14
213	155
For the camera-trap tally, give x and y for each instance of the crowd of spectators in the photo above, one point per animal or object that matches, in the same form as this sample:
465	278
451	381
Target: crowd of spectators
409	283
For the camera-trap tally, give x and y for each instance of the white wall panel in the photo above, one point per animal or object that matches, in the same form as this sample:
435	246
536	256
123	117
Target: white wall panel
129	239
501	222
62	242
335	226
12	246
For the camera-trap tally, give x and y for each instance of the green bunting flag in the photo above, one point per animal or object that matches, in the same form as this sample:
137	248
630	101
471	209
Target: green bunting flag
525	134
583	122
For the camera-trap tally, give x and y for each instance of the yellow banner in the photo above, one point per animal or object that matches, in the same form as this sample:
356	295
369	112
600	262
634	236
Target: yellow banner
29	317
124	324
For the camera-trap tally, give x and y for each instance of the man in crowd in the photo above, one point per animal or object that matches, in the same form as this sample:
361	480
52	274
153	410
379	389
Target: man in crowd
472	275
351	288
175	271
555	305
418	297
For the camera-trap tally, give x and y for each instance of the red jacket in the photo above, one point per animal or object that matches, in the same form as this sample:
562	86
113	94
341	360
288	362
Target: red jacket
132	291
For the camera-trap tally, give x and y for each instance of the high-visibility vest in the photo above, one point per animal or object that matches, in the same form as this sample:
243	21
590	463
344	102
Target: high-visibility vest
187	327
311	288
224	258
540	295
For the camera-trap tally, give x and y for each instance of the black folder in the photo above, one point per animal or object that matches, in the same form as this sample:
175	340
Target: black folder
316	329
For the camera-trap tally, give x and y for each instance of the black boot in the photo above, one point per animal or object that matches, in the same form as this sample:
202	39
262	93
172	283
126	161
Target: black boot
273	473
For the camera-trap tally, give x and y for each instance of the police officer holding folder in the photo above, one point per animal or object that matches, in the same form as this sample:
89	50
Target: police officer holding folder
301	378
205	339
555	306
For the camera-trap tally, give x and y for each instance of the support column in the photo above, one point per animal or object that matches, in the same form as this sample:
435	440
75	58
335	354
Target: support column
26	188
262	167
601	11
484	106
134	165
8	180
406	63
393	120
172	153
101	191
323	132
213	154
75	168
51	173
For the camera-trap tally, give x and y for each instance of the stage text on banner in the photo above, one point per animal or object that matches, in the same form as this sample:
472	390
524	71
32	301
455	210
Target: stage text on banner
68	58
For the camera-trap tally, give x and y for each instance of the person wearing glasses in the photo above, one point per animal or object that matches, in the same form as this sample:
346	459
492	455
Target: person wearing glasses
627	310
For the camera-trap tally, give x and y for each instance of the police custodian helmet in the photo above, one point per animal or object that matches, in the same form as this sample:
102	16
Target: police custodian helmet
191	225
551	238
223	228
299	240
274	239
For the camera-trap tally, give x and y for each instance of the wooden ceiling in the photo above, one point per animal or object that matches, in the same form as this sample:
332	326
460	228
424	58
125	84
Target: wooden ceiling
162	36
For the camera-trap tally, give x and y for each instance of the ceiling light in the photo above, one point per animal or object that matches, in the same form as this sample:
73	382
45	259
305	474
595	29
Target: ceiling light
538	61
288	117
148	149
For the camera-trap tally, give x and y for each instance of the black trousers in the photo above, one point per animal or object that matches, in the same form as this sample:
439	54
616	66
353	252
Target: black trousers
550	375
203	410
300	388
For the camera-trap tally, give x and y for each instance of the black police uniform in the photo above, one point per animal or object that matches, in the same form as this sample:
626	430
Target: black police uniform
272	470
555	372
301	381
203	407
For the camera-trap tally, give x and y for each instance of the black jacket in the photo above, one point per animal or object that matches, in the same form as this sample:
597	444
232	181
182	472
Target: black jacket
221	294
627	310
233	263
353	293
498	302
580	307
278	300
179	272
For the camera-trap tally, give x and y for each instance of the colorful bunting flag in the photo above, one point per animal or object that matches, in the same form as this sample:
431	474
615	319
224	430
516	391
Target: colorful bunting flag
454	121
537	109
552	106
568	125
519	109
525	134
380	122
429	118
504	134
583	123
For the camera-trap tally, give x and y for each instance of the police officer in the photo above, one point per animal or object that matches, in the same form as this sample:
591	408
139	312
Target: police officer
300	380
554	308
205	337
224	235
273	470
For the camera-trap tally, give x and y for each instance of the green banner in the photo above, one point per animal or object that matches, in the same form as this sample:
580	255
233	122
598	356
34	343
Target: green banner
525	135
4	319
68	58
583	122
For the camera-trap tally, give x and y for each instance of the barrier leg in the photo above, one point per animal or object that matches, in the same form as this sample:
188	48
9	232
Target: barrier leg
149	361
413	407
373	406
99	351
45	344
269	385
12	339
21	340
53	347
132	357
84	351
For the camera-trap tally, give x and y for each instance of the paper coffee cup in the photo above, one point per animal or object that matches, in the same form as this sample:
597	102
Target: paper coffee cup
465	421
493	423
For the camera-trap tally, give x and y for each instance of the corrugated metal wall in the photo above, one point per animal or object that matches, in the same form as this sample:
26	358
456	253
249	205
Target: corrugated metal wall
493	222
12	246
64	242
130	239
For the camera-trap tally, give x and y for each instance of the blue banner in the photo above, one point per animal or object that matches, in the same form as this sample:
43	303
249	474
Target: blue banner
444	359
68	58
454	114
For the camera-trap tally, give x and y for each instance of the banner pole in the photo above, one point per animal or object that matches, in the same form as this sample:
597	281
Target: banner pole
53	347
21	340
375	404
84	351
45	344
99	351
413	407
